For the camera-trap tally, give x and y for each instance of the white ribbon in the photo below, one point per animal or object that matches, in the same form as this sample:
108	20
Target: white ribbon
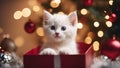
57	62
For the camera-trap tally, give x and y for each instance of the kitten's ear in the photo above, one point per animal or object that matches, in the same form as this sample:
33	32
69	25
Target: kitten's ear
46	15
73	18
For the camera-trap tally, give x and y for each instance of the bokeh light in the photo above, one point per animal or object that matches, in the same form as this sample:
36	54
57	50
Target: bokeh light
54	4
17	15
57	1
26	12
19	41
100	33
60	12
83	11
107	17
80	25
96	24
109	23
36	8
111	2
96	45
39	31
88	40
105	11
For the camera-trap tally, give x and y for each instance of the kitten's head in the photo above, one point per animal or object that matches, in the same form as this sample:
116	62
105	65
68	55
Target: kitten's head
59	28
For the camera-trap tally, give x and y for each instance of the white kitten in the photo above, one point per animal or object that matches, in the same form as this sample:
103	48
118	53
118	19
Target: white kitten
60	32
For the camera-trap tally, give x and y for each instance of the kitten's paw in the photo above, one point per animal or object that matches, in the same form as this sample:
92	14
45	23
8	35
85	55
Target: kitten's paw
65	51
48	51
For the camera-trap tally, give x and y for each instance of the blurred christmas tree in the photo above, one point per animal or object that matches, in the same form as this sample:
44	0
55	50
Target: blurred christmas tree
98	19
116	26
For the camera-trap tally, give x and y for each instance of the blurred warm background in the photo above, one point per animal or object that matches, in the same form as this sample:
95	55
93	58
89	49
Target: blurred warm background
21	20
12	22
14	14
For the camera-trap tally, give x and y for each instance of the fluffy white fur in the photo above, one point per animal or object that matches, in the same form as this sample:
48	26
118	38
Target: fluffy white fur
64	42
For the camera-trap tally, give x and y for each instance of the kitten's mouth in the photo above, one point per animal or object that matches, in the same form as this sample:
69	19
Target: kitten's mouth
57	36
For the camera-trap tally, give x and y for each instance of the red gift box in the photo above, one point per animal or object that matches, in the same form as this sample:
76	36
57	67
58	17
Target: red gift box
84	60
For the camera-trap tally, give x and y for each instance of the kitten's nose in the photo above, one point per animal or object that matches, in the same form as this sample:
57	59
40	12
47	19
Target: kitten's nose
56	33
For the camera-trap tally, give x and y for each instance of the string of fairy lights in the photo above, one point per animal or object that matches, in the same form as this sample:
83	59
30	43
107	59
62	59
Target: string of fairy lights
26	12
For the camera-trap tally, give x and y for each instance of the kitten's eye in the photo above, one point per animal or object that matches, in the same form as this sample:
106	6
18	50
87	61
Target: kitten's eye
63	28
52	27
